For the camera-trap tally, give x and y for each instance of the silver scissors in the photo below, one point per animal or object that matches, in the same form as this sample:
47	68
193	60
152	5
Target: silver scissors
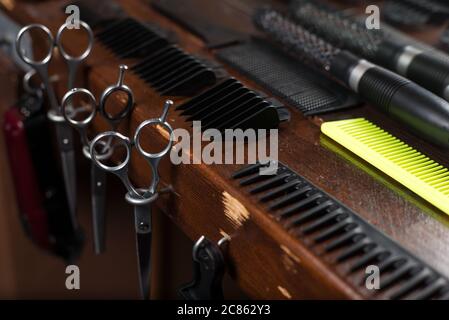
89	110
140	198
63	132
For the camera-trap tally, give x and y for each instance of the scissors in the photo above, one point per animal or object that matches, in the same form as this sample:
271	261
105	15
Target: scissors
90	109
63	132
140	198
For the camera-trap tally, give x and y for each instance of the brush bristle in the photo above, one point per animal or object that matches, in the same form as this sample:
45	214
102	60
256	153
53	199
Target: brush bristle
343	32
303	43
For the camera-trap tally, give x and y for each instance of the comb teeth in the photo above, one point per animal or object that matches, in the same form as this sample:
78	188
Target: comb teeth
231	105
341	237
285	77
415	12
293	36
128	38
171	71
408	166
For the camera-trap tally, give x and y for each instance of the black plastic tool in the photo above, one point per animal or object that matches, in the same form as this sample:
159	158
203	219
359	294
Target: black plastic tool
340	236
422	112
208	272
300	85
415	13
172	71
231	105
129	38
422	65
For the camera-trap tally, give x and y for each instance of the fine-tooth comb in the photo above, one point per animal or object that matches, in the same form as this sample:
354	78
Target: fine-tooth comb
303	87
171	71
231	105
341	238
129	38
411	168
415	12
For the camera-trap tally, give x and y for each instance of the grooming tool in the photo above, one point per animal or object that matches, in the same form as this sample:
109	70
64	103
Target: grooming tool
413	13
63	131
208	272
301	86
411	168
100	12
128	38
231	105
340	237
207	24
28	193
140	198
98	176
425	67
424	113
173	72
43	208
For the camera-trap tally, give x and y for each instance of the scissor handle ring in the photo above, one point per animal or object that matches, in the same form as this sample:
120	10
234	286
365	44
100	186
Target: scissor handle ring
23	56
146	123
110	134
129	105
86	53
65	101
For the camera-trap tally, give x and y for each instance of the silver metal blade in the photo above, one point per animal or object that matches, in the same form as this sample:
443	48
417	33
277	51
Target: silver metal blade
98	190
65	143
142	215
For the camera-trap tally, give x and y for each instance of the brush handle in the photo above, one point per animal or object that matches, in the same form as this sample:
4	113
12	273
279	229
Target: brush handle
424	113
427	69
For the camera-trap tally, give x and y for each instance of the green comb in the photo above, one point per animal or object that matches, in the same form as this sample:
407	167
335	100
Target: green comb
411	168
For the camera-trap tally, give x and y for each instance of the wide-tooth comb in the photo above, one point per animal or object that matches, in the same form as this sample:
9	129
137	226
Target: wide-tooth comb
172	71
340	237
128	38
231	105
411	168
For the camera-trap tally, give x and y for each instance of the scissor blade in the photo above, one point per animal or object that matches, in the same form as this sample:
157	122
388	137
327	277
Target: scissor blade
143	241
65	142
98	189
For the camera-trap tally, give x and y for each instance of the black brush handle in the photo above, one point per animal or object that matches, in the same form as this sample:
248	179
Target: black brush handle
426	68
424	113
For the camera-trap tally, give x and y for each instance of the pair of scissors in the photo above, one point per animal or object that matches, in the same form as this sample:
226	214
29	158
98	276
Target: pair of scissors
140	198
88	112
63	132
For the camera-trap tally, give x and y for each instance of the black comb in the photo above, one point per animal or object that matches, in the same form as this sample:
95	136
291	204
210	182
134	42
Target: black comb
129	38
172	71
231	105
341	237
414	13
98	13
301	86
